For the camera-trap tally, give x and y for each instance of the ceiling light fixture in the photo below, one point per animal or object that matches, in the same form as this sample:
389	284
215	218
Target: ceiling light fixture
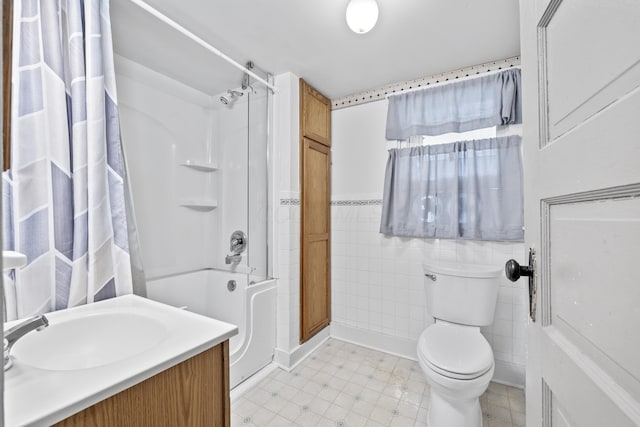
362	15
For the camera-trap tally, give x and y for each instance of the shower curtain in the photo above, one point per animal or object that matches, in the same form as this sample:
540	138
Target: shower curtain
65	196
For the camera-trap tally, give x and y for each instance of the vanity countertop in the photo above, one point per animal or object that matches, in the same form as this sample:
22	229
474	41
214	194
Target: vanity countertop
57	389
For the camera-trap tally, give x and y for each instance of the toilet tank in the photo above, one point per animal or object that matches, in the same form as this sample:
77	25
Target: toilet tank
462	293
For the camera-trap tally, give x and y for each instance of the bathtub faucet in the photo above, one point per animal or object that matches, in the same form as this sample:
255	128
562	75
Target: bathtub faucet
238	244
233	259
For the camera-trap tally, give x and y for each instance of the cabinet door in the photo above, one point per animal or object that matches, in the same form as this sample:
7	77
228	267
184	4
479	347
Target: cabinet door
315	302
315	115
192	393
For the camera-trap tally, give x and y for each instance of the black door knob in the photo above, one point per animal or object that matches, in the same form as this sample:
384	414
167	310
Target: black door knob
514	271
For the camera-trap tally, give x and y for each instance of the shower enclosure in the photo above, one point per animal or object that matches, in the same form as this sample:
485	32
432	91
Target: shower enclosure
199	171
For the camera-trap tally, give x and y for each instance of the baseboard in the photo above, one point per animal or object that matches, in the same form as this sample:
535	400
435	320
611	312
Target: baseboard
506	373
509	374
281	357
251	382
375	340
289	360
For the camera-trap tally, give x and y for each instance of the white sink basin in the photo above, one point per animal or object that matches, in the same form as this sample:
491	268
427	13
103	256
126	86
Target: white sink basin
90	341
91	352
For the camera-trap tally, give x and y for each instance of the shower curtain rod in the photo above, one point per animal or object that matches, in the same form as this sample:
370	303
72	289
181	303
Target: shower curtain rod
201	42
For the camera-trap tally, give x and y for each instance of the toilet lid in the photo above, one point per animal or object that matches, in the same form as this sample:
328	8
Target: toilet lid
455	351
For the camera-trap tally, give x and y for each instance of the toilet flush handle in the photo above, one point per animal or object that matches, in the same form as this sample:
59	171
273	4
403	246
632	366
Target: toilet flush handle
431	276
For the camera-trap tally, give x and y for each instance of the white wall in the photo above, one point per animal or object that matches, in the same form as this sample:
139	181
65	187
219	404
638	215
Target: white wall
286	134
359	153
377	281
378	294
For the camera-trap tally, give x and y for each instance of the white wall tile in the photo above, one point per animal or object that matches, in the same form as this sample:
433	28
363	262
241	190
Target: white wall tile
504	311
505	295
503	327
503	345
379	285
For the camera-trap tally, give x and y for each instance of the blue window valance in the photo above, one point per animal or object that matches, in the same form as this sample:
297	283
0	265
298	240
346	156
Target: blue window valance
487	101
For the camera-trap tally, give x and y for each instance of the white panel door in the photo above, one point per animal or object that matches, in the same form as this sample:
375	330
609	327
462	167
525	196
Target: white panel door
581	91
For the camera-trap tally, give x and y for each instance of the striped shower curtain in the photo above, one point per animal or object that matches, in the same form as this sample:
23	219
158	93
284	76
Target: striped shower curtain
64	196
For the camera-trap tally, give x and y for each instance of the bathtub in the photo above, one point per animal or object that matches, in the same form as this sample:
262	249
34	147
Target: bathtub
251	306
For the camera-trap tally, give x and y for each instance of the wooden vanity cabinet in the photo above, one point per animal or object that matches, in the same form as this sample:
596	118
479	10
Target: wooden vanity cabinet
192	393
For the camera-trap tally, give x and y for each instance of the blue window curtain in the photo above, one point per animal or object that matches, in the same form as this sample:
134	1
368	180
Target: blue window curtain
487	101
463	190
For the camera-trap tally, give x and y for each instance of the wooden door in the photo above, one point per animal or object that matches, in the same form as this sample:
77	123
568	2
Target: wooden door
315	173
581	75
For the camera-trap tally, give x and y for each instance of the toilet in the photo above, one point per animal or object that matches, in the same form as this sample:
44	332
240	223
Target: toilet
454	356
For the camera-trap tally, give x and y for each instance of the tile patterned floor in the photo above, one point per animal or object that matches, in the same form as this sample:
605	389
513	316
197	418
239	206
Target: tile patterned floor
345	385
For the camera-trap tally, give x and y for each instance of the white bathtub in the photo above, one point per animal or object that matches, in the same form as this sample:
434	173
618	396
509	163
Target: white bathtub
251	307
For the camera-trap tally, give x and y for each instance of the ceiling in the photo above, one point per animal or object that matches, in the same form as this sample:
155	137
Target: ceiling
412	39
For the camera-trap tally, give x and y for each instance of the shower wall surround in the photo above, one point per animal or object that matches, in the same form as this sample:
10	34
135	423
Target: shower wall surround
189	159
165	123
378	296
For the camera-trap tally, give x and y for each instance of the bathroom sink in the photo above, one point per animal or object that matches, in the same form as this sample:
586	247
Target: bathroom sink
89	342
91	352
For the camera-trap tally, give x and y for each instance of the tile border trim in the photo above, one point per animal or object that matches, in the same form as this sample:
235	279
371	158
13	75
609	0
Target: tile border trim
364	202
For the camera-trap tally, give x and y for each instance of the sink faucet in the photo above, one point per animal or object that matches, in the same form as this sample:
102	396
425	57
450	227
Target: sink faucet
13	334
233	259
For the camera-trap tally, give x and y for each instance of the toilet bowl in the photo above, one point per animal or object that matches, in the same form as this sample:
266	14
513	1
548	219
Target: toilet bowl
458	366
456	359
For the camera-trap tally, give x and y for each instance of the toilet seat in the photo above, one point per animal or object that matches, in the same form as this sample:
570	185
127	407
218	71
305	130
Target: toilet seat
455	351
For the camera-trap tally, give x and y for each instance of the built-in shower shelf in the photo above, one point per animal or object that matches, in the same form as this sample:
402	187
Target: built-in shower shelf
200	205
201	166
